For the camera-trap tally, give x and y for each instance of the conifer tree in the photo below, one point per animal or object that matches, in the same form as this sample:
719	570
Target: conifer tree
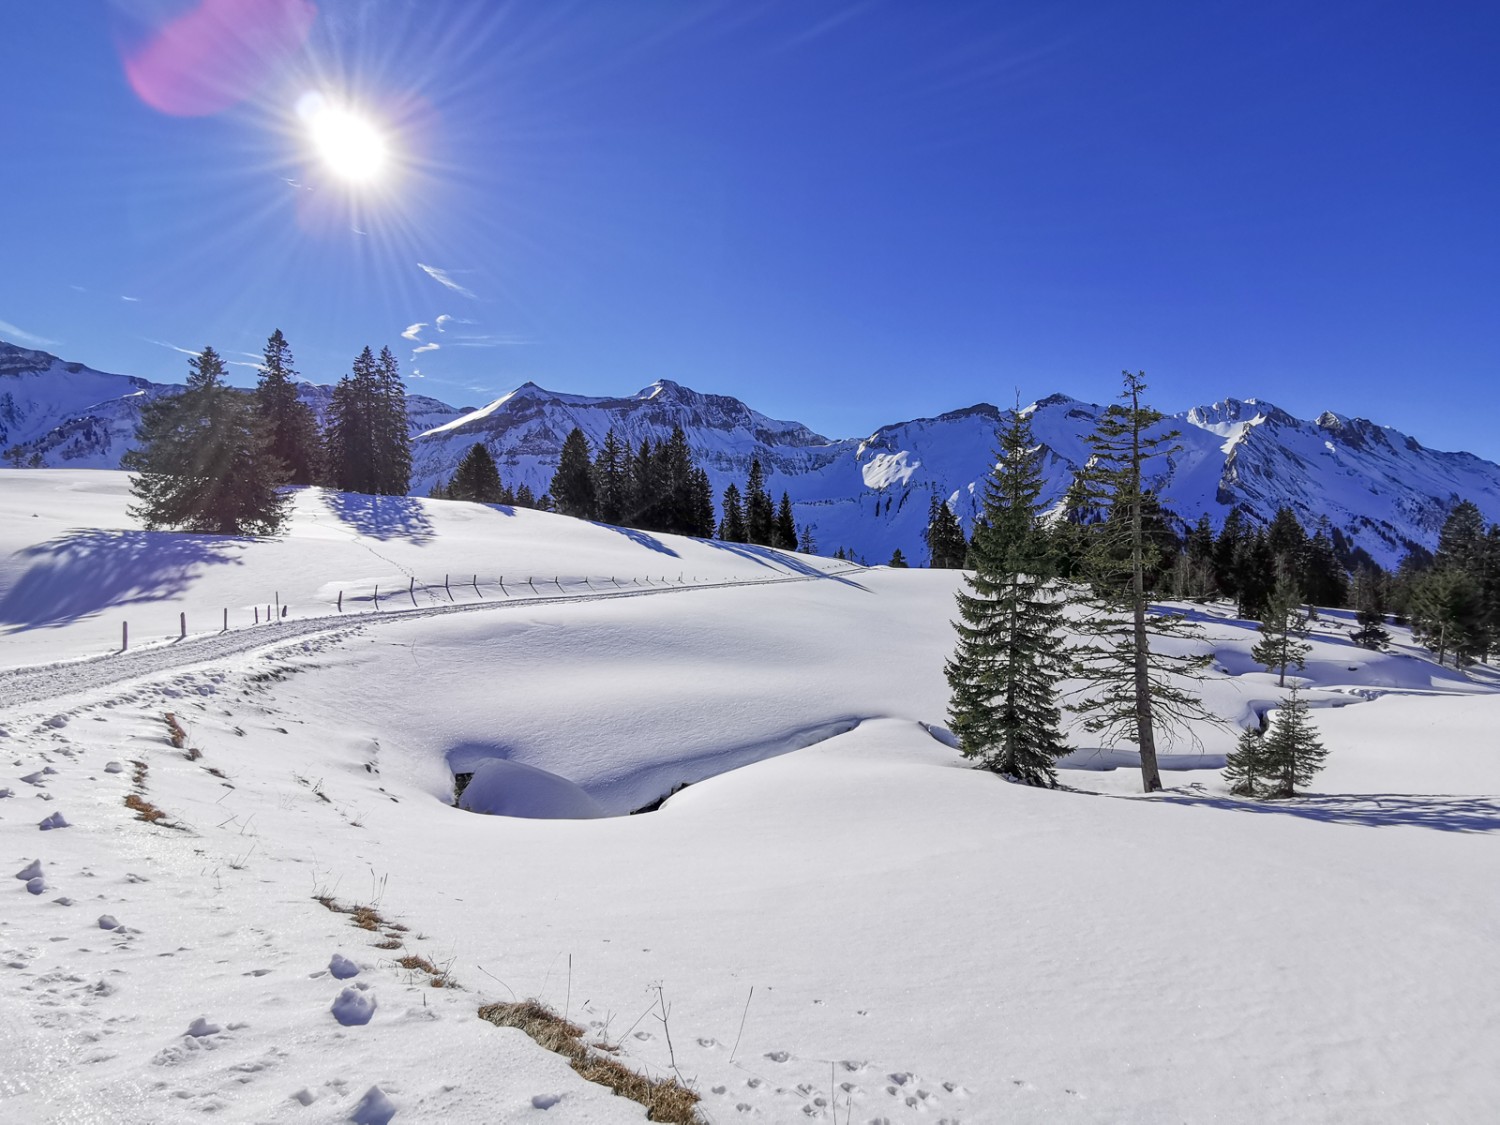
525	498
674	475
1288	544
760	515
1447	615
1129	690
612	479
805	541
349	440
1227	549
1245	765
1283	630
203	461
392	428
645	509
786	525
946	545
1254	573
572	488
290	426
1323	579
1369	606
477	478
898	560
1291	753
732	524
1004	671
702	494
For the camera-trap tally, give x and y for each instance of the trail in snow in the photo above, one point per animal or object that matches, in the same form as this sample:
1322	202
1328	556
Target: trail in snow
34	684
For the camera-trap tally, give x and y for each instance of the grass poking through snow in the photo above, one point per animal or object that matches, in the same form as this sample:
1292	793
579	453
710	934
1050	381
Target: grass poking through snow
665	1099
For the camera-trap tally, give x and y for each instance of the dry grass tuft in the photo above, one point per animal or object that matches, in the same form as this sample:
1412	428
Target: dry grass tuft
176	735
665	1099
145	810
194	754
417	963
366	918
389	943
138	775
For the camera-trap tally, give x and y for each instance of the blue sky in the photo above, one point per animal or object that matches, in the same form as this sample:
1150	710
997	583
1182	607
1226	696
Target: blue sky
844	213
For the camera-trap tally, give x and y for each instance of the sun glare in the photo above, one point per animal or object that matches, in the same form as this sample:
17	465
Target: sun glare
349	144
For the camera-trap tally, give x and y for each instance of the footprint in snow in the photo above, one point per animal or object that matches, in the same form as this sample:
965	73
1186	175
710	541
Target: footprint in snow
354	1006
374	1108
708	1042
342	968
778	1056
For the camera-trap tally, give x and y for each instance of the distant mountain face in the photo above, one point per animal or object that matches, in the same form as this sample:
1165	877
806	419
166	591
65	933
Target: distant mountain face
58	414
1380	488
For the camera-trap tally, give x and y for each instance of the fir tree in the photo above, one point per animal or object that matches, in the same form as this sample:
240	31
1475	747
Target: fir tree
786	525
572	488
1291	753
946	546
392	429
1227	549
1254	574
349	441
1323	579
612	479
645	490
732	524
1288	544
1447	615
525	498
1129	690
805	541
1245	765
760	515
1004	672
291	429
898	560
1283	629
203	461
674	475
1369	606
702	492
477	478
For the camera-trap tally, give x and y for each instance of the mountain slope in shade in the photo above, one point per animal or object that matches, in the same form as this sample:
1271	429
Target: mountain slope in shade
1384	490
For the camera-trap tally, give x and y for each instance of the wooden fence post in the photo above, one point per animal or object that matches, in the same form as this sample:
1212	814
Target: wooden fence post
124	635
341	601
226	619
257	615
377	595
183	622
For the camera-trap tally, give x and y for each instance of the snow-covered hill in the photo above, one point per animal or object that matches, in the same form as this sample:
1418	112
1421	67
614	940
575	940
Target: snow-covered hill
1380	488
837	922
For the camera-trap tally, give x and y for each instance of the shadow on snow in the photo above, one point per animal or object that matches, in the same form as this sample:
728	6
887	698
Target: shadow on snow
1373	810
86	571
383	517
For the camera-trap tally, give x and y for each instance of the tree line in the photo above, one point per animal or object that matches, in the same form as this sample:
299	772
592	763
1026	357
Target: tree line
213	458
656	486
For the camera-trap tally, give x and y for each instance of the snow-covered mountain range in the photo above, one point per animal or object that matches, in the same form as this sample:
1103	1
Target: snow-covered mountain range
1380	488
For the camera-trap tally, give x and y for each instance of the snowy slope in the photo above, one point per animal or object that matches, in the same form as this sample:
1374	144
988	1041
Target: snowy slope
842	920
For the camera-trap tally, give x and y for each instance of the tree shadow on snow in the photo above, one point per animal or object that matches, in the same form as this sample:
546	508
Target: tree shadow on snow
1373	810
772	559
383	517
640	538
86	571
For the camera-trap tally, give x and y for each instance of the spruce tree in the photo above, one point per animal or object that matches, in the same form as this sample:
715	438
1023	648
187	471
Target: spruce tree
645	509
572	488
674	476
898	560
1323	579
525	498
946	546
290	426
1227	549
1004	672
1129	690
1446	609
477	478
702	493
732	524
786	525
612	479
1292	753
1369	607
805	541
760	515
1254	574
1283	630
392	428
350	451
1245	766
203	461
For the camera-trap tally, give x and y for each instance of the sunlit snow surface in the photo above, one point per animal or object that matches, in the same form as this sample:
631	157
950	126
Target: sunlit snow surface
924	942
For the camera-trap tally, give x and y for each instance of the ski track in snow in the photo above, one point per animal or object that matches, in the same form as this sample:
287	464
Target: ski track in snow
29	685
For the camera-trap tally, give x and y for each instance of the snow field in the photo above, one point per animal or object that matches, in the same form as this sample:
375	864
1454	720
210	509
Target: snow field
924	942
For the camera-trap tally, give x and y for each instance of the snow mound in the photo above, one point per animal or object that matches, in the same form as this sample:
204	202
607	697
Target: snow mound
342	968
374	1108
354	1006
505	788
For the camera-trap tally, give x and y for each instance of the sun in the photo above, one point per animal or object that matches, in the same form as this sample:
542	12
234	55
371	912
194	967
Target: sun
349	144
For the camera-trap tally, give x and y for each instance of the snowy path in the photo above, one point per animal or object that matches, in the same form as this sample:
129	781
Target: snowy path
24	686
